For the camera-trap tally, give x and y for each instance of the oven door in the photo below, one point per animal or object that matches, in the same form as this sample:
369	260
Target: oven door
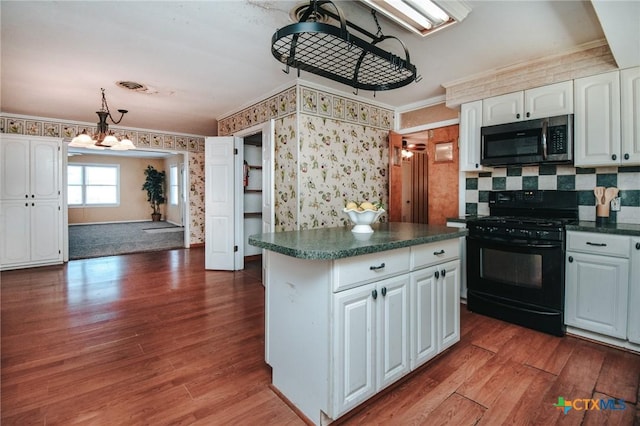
526	272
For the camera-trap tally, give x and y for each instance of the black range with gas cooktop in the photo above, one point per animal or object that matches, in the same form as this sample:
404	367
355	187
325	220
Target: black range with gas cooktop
515	258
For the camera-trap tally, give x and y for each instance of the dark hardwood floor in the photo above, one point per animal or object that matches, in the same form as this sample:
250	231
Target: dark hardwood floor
153	338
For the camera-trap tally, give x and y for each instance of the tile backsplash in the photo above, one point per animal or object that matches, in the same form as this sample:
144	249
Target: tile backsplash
558	177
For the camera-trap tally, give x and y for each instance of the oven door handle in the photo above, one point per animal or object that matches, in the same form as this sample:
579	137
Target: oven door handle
520	308
517	243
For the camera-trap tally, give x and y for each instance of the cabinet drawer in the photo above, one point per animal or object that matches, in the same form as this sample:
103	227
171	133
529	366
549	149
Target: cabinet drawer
351	271
430	254
605	244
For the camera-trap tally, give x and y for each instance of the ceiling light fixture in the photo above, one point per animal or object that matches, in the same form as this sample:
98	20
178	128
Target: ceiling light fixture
335	53
103	138
423	17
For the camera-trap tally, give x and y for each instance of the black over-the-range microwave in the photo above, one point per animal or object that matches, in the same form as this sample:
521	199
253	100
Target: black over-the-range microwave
539	141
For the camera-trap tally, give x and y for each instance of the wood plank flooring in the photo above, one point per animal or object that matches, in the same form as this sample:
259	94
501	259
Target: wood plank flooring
154	339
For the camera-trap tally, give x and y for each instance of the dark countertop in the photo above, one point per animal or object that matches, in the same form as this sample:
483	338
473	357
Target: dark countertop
336	243
631	229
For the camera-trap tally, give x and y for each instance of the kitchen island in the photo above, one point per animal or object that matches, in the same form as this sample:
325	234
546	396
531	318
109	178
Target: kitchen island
346	314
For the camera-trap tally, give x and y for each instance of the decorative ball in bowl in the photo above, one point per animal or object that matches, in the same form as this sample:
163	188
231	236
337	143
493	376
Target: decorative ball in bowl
362	218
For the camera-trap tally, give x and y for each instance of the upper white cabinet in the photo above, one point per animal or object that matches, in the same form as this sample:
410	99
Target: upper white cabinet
630	112
546	101
30	201
607	119
470	124
597	120
30	168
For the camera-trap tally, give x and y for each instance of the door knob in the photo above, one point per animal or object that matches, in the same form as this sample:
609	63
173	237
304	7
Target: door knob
570	259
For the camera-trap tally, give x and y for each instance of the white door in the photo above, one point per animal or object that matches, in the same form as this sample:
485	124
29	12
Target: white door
633	323
15	168
630	102
220	203
44	169
14	228
45	230
393	330
268	170
502	109
548	101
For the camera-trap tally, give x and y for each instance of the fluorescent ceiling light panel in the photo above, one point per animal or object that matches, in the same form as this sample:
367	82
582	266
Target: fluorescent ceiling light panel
422	16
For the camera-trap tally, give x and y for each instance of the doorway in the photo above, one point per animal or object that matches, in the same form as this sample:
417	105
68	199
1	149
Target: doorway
423	175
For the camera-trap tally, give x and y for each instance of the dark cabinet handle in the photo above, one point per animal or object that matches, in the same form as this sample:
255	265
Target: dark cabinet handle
33	204
614	157
384	291
637	246
444	272
374	294
589	243
26	204
528	114
570	259
437	274
438	253
626	156
377	268
26	195
518	115
33	196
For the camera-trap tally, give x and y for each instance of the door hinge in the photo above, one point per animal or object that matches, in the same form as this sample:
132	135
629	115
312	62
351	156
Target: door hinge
235	248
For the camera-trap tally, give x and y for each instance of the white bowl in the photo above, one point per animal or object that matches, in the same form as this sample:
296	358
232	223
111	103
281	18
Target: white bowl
363	219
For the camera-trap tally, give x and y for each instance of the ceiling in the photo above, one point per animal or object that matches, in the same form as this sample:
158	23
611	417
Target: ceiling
203	60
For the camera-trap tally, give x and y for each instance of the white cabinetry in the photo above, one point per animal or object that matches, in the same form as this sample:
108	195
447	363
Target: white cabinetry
338	331
31	201
372	347
633	324
597	283
630	110
545	101
470	124
597	120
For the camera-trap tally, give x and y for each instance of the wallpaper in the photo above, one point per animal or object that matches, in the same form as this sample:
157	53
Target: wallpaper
558	177
286	174
339	162
196	198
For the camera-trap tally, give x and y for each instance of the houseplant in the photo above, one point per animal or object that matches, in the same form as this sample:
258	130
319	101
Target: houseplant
154	185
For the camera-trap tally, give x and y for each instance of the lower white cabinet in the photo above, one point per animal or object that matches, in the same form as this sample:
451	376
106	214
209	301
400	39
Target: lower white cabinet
435	298
372	340
31	233
633	325
336	336
600	286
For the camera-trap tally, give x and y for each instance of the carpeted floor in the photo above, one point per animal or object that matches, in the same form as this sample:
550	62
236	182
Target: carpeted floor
120	238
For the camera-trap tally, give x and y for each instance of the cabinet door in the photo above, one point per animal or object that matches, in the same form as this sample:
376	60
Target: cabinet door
354	345
633	324
393	330
449	304
596	293
630	111
14	168
470	124
424	310
597	120
45	230
548	101
45	169
16	245
502	109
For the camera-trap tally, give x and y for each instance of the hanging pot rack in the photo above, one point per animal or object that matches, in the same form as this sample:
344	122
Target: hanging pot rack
335	53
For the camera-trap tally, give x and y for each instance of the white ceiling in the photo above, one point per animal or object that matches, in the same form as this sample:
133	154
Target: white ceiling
206	59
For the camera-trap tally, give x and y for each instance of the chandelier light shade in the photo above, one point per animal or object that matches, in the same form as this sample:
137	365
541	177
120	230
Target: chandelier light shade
103	138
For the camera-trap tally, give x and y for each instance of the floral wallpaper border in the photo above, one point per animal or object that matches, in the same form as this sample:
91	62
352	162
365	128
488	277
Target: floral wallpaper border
313	101
140	138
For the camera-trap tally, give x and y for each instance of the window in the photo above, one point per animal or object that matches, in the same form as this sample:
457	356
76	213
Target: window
173	184
93	184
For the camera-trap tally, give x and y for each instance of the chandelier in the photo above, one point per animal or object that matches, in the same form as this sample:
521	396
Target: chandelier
103	138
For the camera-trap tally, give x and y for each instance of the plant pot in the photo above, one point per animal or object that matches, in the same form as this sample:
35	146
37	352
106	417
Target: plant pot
156	217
